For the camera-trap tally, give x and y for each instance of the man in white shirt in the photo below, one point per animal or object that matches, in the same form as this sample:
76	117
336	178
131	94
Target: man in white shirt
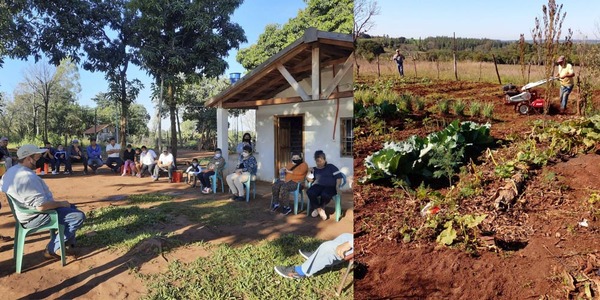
148	159
166	163
114	160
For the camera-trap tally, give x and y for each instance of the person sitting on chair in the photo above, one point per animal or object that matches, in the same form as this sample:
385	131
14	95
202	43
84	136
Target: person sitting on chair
326	180
94	152
48	158
165	163
76	155
216	164
329	253
113	150
5	153
61	157
137	160
244	171
193	170
295	172
129	157
148	160
21	183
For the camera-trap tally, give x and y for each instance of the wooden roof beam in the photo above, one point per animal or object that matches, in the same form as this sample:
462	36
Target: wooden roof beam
295	85
338	77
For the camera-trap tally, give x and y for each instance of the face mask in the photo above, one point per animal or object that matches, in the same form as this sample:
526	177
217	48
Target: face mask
217	155
195	164
297	161
245	154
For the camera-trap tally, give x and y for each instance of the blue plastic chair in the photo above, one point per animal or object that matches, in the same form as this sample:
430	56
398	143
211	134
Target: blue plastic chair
298	195
248	184
219	176
21	232
337	198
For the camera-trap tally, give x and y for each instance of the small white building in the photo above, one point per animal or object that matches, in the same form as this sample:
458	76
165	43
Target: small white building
304	102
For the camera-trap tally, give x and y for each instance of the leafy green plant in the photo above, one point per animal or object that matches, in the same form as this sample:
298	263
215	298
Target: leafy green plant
419	103
406	103
443	107
459	107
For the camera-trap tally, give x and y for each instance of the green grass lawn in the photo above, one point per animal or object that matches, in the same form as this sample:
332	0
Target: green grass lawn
244	272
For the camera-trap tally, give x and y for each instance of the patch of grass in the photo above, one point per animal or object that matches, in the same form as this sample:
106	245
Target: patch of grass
246	273
419	104
122	227
444	107
488	110
475	109
459	107
149	198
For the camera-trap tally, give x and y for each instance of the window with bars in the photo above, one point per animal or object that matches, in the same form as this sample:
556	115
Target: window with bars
347	136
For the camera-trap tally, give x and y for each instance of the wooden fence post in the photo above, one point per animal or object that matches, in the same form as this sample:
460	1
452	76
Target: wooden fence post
496	66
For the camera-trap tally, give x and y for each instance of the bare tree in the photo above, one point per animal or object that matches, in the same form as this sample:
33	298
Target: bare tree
364	10
42	79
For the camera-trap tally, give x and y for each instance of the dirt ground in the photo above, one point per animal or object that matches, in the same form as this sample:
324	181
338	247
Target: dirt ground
548	267
99	273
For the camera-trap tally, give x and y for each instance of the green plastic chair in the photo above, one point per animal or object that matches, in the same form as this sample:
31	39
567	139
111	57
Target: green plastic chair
218	176
337	198
248	185
21	232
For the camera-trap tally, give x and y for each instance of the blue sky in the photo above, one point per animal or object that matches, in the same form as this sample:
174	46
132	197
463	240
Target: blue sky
504	20
252	15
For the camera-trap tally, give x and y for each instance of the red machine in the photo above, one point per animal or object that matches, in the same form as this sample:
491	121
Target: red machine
526	99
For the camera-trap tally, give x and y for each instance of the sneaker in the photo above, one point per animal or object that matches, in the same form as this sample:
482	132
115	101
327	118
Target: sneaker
154	178
323	214
286	210
305	254
84	172
54	173
275	206
123	174
288	272
233	196
66	172
240	198
139	175
314	213
208	190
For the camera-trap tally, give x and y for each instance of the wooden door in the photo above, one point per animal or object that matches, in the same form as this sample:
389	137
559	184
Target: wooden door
289	135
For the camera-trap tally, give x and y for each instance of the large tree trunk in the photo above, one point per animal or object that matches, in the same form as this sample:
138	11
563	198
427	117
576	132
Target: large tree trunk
179	128
172	108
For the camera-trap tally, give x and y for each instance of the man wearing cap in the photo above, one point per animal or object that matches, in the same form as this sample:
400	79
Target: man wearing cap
30	191
113	150
166	163
94	153
76	155
4	153
565	75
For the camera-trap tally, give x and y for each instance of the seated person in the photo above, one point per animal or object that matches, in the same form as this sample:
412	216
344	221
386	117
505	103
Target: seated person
61	157
129	158
329	253
216	164
165	163
326	179
76	154
138	161
245	170
295	172
113	150
148	160
94	153
193	170
5	154
48	158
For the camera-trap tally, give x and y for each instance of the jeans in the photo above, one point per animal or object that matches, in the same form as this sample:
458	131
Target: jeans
325	255
83	160
60	161
149	168
320	195
95	163
564	95
401	69
70	217
169	170
117	163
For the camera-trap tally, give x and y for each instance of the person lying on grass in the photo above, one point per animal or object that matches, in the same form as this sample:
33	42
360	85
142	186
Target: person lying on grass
329	253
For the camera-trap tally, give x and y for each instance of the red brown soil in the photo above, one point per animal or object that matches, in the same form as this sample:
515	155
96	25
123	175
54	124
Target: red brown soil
392	269
101	273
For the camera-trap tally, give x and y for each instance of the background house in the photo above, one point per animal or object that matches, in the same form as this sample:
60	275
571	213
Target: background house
102	132
304	102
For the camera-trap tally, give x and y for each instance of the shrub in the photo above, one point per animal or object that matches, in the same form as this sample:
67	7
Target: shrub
444	107
405	103
459	107
364	96
419	104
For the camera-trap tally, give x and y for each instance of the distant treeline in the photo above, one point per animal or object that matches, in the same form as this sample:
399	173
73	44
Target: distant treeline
440	48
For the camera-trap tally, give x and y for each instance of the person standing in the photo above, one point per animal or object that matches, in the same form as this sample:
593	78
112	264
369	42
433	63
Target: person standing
399	59
565	75
30	191
113	150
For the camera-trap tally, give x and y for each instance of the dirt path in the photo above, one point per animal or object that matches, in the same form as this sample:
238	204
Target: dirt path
105	274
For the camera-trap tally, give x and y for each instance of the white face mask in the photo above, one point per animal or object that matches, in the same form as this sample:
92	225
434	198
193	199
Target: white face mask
217	155
195	164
